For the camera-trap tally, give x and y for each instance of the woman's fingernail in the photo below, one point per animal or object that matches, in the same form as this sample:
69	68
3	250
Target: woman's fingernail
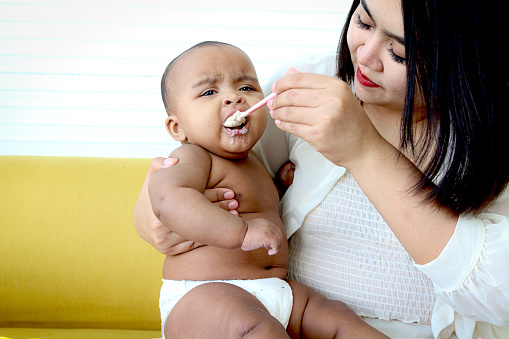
271	112
273	87
277	122
170	161
269	104
229	195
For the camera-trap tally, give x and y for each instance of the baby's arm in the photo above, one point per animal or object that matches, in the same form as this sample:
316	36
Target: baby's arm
178	202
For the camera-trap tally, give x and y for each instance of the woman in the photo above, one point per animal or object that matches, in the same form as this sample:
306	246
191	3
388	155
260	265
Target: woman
397	205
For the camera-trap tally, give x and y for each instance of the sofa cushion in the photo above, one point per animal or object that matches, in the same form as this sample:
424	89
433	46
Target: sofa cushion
70	256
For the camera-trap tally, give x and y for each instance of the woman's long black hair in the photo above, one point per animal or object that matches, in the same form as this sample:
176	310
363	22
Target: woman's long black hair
456	56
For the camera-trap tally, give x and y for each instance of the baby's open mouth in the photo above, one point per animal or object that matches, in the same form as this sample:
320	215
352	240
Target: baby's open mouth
237	127
235	120
236	130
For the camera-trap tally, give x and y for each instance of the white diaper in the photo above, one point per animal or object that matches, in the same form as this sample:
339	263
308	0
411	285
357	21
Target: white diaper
275	294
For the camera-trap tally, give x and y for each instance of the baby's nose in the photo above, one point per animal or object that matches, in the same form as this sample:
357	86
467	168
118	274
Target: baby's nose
237	99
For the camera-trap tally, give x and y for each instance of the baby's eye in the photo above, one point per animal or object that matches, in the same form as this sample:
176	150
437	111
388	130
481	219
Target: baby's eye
208	92
247	88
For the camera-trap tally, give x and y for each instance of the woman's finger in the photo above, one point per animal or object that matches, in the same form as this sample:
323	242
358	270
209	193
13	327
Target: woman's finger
299	80
295	114
219	194
159	163
305	97
299	130
227	205
292	70
222	197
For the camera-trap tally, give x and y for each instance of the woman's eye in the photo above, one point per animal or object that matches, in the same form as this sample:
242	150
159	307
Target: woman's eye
361	24
395	57
208	92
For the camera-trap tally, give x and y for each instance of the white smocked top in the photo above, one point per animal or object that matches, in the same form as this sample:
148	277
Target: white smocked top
346	251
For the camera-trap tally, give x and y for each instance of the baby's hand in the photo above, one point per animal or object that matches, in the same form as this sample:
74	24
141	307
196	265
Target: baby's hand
262	233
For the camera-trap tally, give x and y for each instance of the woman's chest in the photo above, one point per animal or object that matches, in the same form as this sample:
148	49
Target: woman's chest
346	250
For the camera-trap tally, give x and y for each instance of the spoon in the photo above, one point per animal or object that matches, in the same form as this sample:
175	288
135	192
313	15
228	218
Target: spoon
238	118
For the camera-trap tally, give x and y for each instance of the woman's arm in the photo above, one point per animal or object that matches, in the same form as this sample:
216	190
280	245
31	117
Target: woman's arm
471	273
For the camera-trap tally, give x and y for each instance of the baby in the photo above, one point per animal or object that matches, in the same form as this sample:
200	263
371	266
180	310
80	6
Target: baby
234	285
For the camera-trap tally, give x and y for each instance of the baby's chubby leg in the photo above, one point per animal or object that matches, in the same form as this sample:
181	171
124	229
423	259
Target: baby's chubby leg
315	316
221	310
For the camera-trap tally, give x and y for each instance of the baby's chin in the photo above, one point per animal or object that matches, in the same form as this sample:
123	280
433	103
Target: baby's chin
236	154
235	147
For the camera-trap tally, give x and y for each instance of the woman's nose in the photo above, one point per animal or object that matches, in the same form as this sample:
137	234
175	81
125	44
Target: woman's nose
369	55
232	99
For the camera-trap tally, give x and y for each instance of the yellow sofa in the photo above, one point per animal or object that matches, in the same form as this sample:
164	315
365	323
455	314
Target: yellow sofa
71	262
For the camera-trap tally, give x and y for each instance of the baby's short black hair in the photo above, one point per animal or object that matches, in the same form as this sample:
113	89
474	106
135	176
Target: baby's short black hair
165	90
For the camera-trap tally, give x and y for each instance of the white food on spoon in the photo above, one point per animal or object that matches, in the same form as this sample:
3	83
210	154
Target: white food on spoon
234	120
238	118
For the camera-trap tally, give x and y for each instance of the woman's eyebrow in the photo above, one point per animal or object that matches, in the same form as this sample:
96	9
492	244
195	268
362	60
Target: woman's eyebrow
363	3
389	34
395	37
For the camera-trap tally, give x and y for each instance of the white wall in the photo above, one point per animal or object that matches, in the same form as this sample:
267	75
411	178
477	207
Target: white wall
81	77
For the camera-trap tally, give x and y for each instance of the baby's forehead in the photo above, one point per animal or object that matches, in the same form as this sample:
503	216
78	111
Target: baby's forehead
212	61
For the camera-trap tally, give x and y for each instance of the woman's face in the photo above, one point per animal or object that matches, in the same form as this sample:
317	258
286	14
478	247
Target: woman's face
377	47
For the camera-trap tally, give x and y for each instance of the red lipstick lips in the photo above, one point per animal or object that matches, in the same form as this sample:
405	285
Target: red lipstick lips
363	80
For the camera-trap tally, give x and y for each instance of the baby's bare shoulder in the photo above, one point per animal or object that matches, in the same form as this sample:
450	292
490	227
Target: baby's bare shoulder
189	153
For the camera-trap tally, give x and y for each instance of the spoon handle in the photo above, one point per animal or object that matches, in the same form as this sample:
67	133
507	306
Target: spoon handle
258	105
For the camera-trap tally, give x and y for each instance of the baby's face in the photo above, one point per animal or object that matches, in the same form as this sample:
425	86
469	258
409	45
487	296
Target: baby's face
210	84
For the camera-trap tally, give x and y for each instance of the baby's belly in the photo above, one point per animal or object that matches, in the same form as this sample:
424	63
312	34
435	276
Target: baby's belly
212	263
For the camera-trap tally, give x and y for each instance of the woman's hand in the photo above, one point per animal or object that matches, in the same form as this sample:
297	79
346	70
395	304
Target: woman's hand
323	111
156	234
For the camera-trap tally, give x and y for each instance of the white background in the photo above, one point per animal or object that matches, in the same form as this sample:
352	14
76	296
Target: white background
82	77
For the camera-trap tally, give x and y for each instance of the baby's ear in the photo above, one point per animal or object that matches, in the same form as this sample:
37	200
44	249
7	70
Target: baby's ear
174	129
